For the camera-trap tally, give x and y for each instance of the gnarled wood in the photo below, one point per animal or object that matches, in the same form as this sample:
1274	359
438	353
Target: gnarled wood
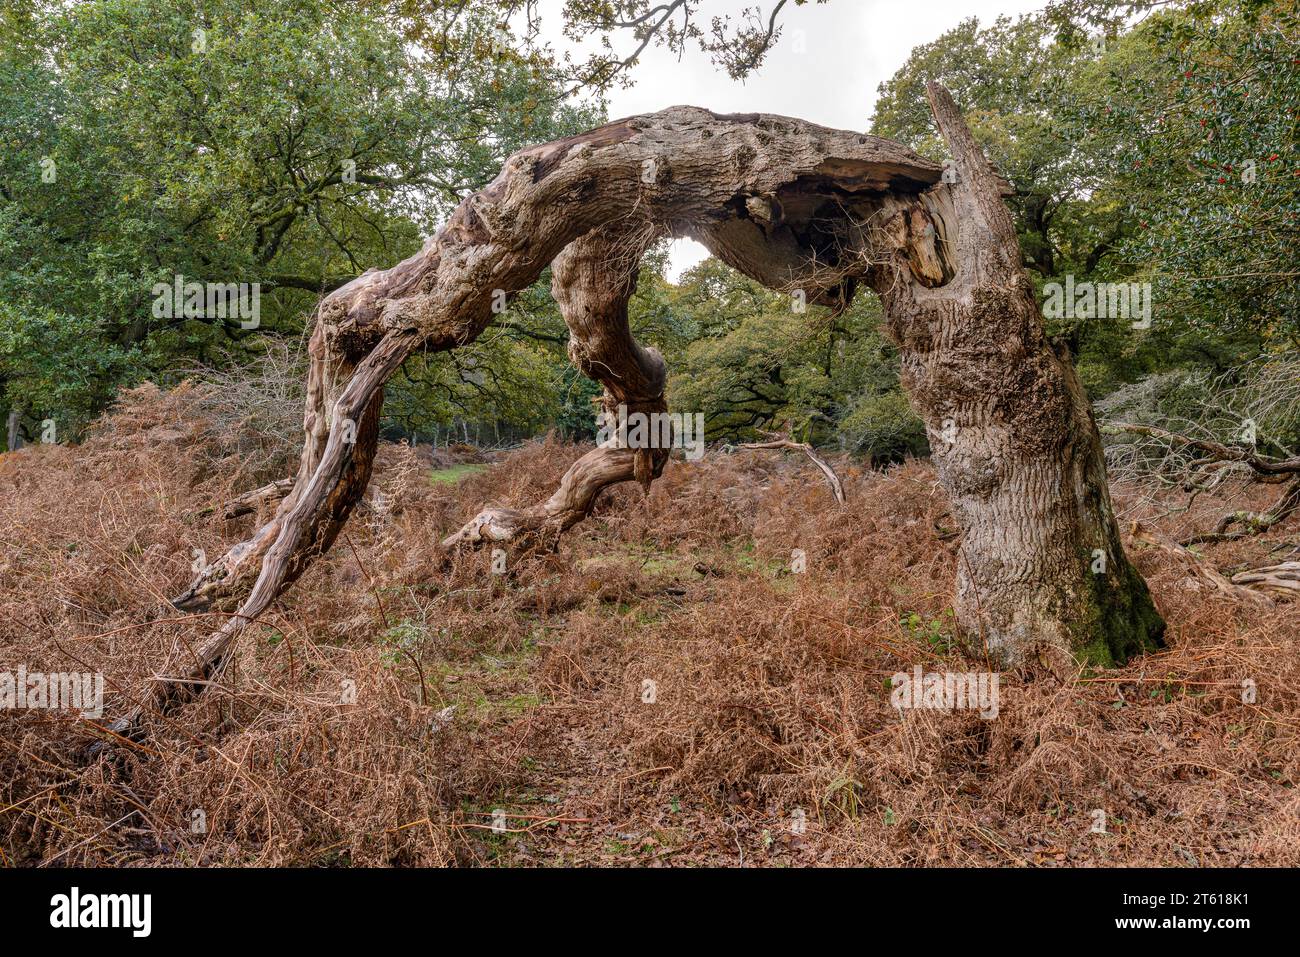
1041	565
797	207
1282	580
592	281
683	171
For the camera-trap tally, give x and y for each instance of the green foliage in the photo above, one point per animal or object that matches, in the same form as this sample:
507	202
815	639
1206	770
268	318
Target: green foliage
60	363
1201	115
296	143
454	473
935	633
749	361
1126	151
292	144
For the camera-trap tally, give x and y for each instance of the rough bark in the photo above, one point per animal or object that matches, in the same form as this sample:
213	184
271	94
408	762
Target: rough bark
13	439
776	197
800	208
787	202
1041	565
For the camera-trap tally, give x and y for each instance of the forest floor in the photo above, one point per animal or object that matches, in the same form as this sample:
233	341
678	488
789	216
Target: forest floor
503	720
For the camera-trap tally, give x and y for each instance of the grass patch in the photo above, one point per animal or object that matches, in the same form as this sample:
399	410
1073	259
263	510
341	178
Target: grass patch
455	473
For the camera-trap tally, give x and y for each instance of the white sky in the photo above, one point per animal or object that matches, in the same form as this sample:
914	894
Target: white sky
825	67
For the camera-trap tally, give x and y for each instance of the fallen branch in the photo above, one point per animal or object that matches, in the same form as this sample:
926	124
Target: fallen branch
782	441
1198	567
1281	579
254	500
1252	523
339	478
1217	450
1266	469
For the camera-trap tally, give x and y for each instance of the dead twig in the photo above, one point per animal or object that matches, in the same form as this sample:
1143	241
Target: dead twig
783	441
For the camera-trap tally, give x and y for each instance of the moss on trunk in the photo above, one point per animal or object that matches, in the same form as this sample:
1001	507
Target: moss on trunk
1124	622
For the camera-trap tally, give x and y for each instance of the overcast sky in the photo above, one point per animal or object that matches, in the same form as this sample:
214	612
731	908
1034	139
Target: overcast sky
825	67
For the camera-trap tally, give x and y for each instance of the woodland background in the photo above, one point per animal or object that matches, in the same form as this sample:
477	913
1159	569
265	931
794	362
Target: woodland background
1126	137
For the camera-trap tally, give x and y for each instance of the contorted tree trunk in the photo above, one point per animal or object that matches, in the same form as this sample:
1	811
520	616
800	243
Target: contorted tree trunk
800	208
1011	433
592	281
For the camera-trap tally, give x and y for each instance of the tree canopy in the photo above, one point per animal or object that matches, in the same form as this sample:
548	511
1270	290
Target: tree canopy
298	144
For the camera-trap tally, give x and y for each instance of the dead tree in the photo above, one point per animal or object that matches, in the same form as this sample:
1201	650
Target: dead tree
801	208
1206	471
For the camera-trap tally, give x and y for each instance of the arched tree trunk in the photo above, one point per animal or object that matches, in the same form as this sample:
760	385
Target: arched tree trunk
683	171
803	209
